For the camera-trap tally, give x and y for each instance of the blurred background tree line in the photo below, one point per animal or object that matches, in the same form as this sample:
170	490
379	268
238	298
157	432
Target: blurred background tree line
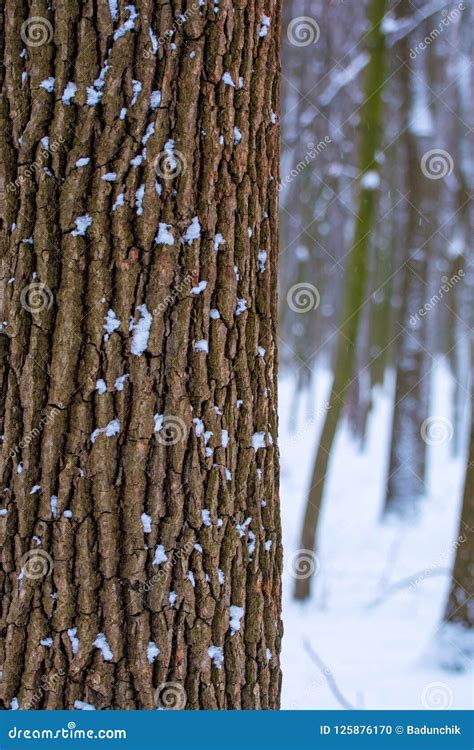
376	274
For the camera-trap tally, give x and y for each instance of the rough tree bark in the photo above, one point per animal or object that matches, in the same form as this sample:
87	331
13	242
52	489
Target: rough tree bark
139	466
355	281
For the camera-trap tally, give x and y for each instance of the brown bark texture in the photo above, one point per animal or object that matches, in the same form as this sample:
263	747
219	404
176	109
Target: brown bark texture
139	517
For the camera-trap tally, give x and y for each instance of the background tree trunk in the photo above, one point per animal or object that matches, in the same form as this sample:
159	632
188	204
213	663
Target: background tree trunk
355	280
139	467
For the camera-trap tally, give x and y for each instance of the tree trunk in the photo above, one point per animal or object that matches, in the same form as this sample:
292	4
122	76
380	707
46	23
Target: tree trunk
411	426
355	282
460	609
140	515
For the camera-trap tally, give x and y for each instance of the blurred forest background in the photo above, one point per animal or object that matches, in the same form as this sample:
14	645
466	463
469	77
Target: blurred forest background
376	352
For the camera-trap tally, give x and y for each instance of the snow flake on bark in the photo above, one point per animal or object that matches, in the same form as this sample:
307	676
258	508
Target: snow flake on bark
111	324
164	236
160	555
193	232
72	634
199	288
146	523
69	93
227	78
235	615
258	440
129	23
141	331
201	346
101	643
82	225
218	241
113	428
152	652
48	84
217	655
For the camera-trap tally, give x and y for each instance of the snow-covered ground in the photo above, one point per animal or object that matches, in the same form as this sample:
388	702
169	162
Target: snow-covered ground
378	646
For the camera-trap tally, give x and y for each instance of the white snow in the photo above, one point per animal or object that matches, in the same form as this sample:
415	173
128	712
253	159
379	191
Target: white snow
262	259
214	314
136	88
201	346
258	440
48	84
36	488
139	195
146	523
111	324
235	615
101	643
119	201
152	651
158	422
217	655
111	429
69	93
113	6
237	136
193	232
109	177
141	331
227	78
82	224
54	506
218	241
172	598
206	517
67	514
160	555
72	634
190	577
93	96
101	386
48	642
224	438
164	236
129	23
199	288
83	161
120	382
265	25
241	306
155	99
82	706
123	113
148	133
379	642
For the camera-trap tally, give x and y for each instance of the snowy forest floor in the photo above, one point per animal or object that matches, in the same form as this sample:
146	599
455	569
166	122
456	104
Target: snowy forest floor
383	647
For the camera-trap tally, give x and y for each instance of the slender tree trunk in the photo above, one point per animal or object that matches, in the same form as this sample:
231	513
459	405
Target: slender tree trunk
410	428
140	516
459	608
355	284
